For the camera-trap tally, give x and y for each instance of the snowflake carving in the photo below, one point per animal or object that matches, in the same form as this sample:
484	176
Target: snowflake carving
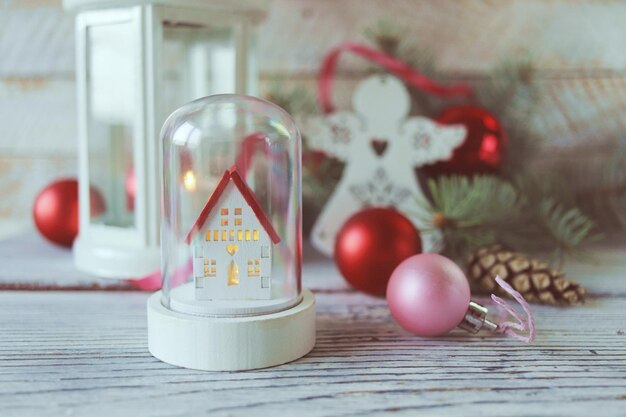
380	191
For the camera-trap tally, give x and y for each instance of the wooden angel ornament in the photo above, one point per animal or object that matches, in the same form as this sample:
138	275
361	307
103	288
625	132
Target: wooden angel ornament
380	146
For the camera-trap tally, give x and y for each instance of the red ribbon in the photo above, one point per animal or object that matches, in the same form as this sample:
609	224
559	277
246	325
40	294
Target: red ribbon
397	67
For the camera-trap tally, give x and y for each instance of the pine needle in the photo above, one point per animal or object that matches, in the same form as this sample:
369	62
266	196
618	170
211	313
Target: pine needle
470	209
471	212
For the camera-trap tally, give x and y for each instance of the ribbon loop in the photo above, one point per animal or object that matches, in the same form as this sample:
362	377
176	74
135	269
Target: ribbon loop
513	329
397	67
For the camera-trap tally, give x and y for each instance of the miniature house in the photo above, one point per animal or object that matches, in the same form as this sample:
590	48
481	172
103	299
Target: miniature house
231	238
232	244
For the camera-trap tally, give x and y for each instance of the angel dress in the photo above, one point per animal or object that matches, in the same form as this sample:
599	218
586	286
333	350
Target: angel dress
381	147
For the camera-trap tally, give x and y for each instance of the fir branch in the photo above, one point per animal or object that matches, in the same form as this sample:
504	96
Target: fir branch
472	201
468	211
569	228
485	210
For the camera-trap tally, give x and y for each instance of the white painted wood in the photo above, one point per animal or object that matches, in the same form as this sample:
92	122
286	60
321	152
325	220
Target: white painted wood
469	36
112	250
231	343
212	258
85	353
102	249
22	178
38	118
35	41
27	261
253	7
183	300
380	176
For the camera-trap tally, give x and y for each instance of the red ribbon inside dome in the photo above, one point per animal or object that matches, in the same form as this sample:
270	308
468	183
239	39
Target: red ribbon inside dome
395	66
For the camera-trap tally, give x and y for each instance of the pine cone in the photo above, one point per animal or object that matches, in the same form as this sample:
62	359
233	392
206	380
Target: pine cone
531	278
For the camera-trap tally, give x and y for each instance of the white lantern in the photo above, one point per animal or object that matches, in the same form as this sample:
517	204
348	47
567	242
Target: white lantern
137	61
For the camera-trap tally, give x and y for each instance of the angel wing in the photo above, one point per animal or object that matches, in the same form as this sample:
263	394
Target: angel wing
334	134
429	141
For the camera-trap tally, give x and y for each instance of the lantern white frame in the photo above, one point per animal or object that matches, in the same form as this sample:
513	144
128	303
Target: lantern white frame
131	252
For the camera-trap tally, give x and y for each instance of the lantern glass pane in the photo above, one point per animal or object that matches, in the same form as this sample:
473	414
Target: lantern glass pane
112	106
197	61
231	217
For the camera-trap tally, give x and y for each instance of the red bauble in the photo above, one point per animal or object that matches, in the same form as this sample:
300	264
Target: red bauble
483	149
371	244
55	211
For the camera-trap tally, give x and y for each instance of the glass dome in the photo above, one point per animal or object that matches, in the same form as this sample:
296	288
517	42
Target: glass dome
231	218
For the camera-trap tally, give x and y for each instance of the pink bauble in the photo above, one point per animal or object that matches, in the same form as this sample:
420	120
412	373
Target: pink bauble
428	294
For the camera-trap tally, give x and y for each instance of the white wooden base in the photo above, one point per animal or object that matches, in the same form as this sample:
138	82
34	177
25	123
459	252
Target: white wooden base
116	263
231	343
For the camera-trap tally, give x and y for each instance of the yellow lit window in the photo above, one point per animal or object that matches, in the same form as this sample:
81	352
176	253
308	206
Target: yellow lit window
224	235
208	235
210	267
216	235
254	268
247	235
238	220
256	235
240	235
232	235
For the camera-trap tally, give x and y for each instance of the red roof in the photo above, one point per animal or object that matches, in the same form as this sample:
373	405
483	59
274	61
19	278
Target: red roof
248	195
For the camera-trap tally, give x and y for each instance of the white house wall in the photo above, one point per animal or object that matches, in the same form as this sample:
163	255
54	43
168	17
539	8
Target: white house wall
249	287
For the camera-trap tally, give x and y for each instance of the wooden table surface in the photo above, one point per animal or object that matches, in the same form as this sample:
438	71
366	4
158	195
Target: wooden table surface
84	353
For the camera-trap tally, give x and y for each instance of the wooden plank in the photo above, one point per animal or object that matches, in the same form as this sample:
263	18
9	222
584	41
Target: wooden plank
464	36
38	117
582	37
20	181
36	40
86	354
29	262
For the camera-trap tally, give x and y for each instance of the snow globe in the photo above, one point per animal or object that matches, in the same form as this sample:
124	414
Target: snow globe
231	239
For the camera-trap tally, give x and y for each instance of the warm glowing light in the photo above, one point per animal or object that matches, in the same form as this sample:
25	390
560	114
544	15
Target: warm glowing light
232	273
189	181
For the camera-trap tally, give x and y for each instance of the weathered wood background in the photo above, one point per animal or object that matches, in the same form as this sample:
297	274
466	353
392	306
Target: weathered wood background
577	47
